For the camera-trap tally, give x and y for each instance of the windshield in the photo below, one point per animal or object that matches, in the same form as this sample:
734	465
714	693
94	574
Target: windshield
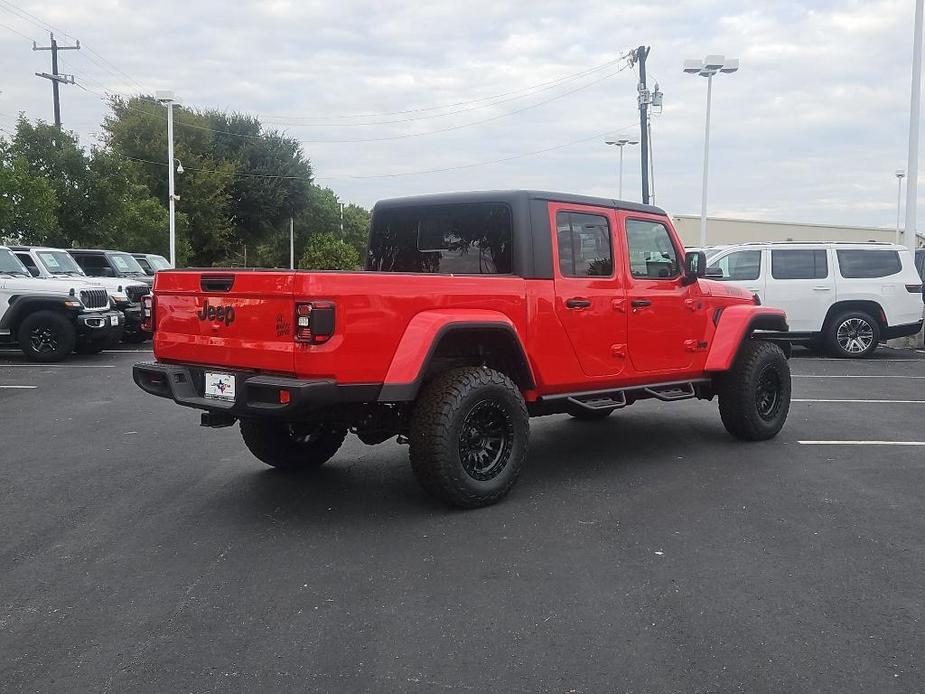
59	263
126	264
11	265
159	262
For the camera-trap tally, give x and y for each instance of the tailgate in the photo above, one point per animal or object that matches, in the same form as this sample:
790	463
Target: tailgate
240	319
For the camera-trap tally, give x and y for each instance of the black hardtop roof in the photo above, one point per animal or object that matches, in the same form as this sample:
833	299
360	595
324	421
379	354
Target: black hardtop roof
510	196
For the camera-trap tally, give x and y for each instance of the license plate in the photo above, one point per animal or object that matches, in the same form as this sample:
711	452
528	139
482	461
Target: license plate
114	320
219	386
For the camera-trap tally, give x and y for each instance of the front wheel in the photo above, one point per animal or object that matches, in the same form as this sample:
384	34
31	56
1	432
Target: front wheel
852	335
292	446
46	336
468	436
754	395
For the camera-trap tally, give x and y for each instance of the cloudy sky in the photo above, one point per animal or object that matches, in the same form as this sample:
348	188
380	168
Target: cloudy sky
811	128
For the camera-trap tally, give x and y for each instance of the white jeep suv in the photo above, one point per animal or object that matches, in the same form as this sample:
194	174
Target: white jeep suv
846	296
49	319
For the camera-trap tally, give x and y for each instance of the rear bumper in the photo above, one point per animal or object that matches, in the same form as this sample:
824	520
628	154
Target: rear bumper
894	331
256	395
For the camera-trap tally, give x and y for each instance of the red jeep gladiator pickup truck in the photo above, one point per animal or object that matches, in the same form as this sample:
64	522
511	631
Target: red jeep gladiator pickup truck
475	312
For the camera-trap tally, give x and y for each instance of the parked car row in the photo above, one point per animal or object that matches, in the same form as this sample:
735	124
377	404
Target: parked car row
846	297
55	301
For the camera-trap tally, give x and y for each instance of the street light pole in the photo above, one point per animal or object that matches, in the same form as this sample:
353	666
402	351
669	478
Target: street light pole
621	144
899	199
167	98
914	113
708	67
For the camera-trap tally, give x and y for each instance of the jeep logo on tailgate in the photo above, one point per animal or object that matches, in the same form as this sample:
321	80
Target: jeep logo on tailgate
222	314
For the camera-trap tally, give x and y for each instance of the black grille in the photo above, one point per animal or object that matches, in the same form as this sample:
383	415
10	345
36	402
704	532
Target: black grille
135	292
94	298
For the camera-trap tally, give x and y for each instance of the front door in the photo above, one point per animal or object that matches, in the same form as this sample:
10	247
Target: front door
663	313
590	298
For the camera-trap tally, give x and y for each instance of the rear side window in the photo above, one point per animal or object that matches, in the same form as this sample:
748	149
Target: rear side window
29	263
584	244
799	264
920	263
857	264
92	264
467	239
652	254
740	266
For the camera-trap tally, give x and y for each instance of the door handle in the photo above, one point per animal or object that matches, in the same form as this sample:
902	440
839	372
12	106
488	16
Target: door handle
577	302
822	289
640	303
754	289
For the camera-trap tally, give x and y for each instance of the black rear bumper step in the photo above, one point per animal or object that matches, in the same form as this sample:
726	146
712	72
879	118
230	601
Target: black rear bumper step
256	395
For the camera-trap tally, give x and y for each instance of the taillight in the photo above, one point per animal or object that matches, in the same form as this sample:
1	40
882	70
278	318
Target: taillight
147	313
914	288
314	321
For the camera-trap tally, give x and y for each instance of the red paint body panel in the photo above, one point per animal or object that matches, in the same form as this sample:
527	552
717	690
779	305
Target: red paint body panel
733	326
385	323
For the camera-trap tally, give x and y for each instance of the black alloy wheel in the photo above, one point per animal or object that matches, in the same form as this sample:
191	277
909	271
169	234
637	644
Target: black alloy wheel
485	439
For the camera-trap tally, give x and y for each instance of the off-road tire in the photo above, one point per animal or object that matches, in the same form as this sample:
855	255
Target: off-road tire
444	435
759	368
870	330
292	447
58	334
590	415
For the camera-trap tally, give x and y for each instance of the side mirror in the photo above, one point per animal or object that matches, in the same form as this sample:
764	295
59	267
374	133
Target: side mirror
714	273
695	265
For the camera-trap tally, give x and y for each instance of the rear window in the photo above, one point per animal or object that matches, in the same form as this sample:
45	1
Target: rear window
856	264
466	239
799	264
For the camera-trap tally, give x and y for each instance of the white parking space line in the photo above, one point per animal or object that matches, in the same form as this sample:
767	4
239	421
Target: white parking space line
59	366
18	387
861	443
853	376
881	402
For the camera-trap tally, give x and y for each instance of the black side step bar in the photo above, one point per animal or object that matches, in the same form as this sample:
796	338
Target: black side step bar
612	399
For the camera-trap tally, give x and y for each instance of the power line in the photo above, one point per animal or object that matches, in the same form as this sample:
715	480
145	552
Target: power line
496	98
16	31
388	138
488	162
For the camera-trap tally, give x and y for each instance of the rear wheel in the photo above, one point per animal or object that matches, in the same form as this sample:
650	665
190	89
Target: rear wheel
46	336
469	436
853	335
292	446
754	395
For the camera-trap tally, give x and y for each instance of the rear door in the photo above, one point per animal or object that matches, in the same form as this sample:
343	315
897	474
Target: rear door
233	319
801	281
590	297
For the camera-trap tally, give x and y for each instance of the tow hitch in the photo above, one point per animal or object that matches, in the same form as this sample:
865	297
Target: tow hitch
216	420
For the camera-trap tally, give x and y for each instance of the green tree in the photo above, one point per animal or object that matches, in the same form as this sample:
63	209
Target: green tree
56	157
326	251
28	203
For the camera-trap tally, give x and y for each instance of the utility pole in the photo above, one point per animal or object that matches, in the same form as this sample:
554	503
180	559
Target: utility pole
54	77
167	98
644	100
291	245
912	169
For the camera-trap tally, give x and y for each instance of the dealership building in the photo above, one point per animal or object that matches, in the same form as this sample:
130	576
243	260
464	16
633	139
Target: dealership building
724	230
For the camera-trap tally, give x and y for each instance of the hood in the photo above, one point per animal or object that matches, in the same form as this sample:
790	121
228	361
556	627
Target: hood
724	289
13	285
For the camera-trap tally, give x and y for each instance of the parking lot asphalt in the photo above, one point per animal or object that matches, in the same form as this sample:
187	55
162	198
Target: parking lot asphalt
649	552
